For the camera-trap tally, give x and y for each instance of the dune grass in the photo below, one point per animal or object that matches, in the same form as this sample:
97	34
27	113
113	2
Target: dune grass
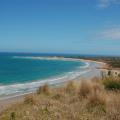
112	83
43	90
85	100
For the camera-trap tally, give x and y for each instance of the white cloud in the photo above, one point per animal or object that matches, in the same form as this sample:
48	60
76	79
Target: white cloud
107	3
103	3
110	33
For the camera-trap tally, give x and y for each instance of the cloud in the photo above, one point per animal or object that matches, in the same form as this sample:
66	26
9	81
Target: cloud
103	3
107	3
112	33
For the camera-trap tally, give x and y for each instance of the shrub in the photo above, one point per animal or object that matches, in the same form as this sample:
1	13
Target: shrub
119	75
111	84
43	89
109	73
12	116
85	88
96	98
70	88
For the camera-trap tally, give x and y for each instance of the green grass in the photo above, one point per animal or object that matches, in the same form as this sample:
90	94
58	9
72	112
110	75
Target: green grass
111	83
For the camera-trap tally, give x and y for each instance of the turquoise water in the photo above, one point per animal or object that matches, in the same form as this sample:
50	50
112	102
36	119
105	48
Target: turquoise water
20	74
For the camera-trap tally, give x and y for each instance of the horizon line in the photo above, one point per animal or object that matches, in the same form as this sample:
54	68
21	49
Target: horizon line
58	53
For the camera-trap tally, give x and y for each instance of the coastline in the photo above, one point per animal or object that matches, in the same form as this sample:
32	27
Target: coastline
12	90
95	69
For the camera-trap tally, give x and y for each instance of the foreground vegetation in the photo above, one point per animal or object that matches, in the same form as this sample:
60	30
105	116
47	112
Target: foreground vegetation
85	100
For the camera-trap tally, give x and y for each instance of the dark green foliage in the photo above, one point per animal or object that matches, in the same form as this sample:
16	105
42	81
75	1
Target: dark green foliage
112	84
12	116
109	73
119	75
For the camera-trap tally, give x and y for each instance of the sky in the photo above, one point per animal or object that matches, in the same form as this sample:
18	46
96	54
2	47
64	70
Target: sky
60	26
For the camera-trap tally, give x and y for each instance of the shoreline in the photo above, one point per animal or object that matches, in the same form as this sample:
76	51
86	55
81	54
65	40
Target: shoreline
94	72
28	87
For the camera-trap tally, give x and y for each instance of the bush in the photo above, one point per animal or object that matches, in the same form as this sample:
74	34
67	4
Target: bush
111	84
97	98
85	88
109	73
12	116
119	75
70	88
43	89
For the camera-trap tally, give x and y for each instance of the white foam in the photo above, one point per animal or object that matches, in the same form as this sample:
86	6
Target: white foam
32	86
7	91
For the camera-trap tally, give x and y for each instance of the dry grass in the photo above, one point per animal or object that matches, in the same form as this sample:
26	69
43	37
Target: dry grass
64	103
97	96
29	99
70	87
44	89
85	88
113	106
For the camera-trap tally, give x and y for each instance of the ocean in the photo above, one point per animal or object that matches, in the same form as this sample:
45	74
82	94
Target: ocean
24	73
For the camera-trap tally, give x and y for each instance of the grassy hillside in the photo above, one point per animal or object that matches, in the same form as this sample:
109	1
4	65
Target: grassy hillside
85	100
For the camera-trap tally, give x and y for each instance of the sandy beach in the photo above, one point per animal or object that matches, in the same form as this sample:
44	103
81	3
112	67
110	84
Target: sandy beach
94	71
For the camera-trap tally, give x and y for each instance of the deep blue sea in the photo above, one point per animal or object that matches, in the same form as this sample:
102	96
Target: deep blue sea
22	73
